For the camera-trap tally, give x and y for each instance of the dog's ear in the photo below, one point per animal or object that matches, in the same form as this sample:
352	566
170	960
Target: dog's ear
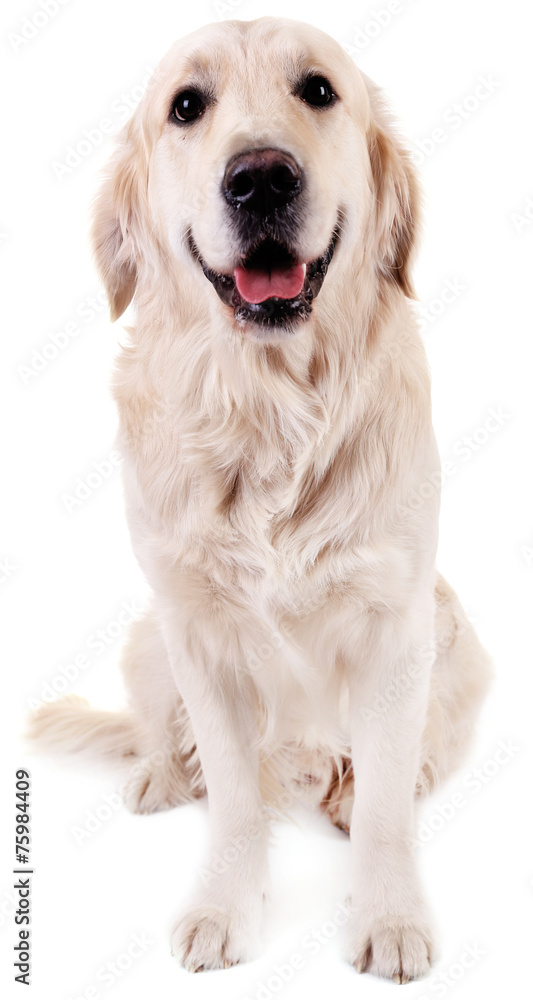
396	212
118	213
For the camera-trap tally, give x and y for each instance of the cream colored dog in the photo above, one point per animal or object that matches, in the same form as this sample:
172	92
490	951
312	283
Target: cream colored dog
282	481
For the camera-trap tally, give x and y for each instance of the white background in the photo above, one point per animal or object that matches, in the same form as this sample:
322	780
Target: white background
66	575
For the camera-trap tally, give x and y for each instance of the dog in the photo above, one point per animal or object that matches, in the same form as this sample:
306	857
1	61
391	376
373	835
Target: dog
281	481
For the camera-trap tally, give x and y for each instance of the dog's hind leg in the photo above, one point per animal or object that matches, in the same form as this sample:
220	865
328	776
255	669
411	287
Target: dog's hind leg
168	771
154	733
460	679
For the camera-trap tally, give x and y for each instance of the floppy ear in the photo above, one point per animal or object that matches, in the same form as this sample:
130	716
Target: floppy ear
119	210
396	212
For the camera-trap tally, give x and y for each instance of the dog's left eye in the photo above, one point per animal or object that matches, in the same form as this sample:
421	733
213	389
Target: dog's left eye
188	106
317	92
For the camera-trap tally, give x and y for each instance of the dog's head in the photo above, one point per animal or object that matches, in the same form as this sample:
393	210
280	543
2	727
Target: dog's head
258	161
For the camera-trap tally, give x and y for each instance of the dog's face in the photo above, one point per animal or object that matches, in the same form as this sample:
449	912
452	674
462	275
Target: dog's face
257	162
254	168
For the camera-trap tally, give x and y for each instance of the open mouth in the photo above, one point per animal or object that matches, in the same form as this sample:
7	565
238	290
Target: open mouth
270	288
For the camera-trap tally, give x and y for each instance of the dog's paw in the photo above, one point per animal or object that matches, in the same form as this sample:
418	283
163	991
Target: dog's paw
152	789
396	951
339	811
209	938
340	814
338	803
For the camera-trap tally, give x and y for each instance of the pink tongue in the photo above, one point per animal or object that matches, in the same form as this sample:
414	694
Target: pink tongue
282	282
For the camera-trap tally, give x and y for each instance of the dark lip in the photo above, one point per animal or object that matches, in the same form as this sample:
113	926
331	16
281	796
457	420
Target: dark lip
274	312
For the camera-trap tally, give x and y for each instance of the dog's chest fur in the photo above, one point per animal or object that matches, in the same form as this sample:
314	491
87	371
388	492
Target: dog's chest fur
265	467
273	483
246	480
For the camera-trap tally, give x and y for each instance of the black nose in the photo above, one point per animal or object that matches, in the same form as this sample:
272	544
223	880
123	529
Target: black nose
262	180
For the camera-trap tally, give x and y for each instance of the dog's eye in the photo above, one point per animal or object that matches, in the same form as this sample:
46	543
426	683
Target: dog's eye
317	92
188	106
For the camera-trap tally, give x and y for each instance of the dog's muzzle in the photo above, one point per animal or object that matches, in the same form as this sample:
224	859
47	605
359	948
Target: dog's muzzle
270	266
269	287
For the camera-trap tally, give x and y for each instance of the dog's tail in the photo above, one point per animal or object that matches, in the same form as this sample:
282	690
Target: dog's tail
70	725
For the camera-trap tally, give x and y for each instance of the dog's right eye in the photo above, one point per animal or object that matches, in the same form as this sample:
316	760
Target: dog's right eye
188	106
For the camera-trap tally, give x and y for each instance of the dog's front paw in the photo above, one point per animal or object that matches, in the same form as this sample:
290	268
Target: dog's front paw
392	949
209	937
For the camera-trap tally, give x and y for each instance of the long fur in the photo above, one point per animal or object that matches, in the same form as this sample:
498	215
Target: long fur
282	497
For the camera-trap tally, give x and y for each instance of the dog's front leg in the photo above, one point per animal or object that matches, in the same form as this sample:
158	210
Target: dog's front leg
207	656
389	932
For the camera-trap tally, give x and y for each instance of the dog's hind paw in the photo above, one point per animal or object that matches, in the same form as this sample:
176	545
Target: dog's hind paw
152	789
